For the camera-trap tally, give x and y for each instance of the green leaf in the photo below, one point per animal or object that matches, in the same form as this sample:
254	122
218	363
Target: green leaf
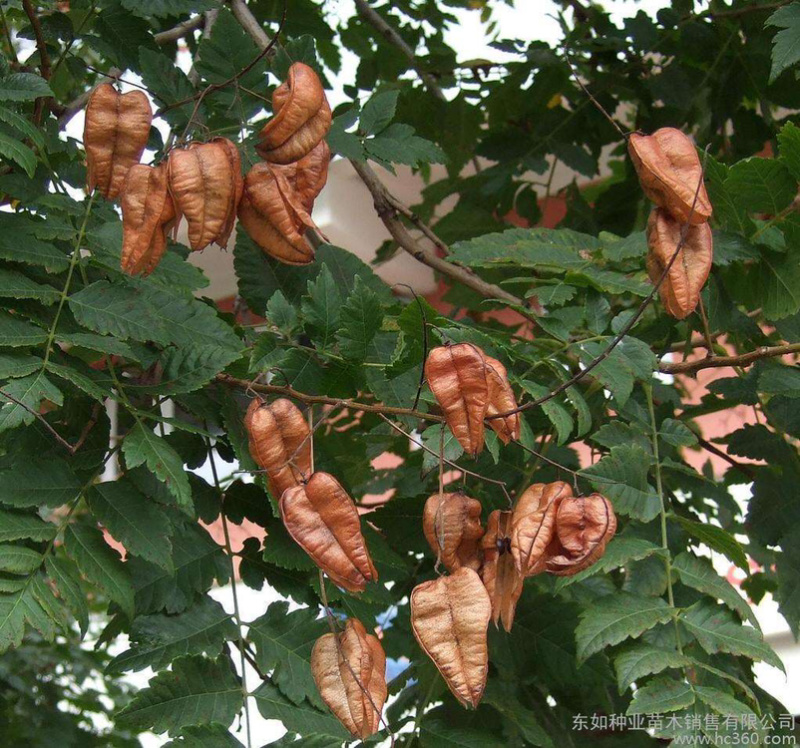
717	539
205	736
133	520
559	416
378	112
789	146
164	8
16	526
196	691
14	365
31	391
301	718
361	318
169	84
22	125
717	631
613	619
676	433
17	332
398	144
321	308
699	574
282	314
645	659
780	380
36	481
501	696
159	639
622	476
17	559
23	87
283	643
724	703
18	152
788	593
438	733
660	696
100	564
33	605
432	439
19	244
142	446
786	43
66	577
761	185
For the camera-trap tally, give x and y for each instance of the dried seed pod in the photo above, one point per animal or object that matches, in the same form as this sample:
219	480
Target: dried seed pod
310	175
533	524
114	136
452	526
501	400
273	217
584	525
499	573
205	180
350	672
670	172
147	215
323	520
449	617
457	376
302	117
280	442
680	291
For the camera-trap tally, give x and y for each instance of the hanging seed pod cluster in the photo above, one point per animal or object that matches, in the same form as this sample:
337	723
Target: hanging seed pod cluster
548	530
671	175
202	181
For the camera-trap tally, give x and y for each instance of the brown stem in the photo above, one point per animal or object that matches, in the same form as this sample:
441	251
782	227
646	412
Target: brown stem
716	362
182	29
41	44
709	447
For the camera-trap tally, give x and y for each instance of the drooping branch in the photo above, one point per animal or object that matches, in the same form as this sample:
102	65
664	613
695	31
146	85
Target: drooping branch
718	362
374	19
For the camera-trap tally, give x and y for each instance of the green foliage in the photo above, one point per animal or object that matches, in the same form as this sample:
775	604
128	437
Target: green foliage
118	531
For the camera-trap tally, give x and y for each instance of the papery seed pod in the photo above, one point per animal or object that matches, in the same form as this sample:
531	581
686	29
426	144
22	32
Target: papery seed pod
311	174
501	400
350	672
115	135
533	525
499	573
450	616
273	217
457	376
147	215
323	520
280	442
680	291
584	525
301	117
452	526
670	173
205	180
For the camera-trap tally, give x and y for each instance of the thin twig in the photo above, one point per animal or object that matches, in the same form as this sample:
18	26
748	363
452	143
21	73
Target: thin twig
60	439
41	43
182	29
709	447
716	362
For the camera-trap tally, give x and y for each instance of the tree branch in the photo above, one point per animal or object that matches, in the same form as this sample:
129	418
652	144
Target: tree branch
374	19
41	44
717	362
181	30
249	23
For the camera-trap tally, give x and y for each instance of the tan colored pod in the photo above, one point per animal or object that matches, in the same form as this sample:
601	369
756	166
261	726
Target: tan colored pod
670	173
301	117
499	573
147	215
280	442
311	174
115	135
324	522
457	376
533	525
273	217
680	291
350	672
452	526
584	525
501	400
205	181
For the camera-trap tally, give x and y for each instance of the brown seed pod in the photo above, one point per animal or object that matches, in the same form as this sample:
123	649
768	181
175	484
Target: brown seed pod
301	117
680	291
584	525
147	215
501	400
280	442
499	573
350	672
323	520
273	216
533	524
205	180
114	136
449	617
457	376
309	175
670	172
452	526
